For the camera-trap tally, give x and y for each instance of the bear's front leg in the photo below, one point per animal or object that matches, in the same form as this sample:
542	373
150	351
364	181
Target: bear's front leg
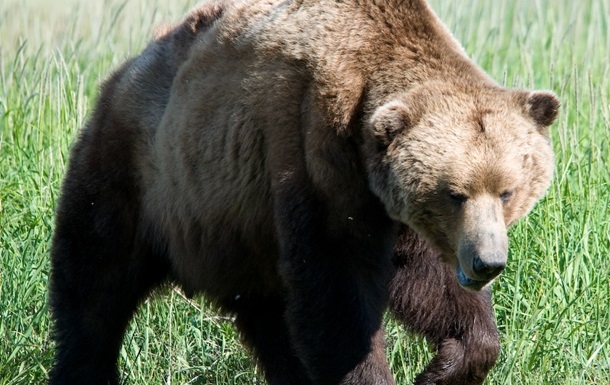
336	278
426	297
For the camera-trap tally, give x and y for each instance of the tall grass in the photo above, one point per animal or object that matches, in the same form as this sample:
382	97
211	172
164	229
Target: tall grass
552	303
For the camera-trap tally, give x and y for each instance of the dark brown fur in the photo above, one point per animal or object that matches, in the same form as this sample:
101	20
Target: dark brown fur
458	323
261	153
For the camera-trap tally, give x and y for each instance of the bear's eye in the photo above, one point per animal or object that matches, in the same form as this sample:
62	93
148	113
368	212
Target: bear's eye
457	198
506	195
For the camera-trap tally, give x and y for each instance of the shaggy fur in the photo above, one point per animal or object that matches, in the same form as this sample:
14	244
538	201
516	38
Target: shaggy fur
274	155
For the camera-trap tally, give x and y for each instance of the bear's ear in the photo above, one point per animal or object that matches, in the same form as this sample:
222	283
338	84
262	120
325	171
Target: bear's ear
389	120
543	107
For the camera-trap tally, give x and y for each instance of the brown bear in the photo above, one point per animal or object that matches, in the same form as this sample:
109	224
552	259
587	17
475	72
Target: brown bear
305	164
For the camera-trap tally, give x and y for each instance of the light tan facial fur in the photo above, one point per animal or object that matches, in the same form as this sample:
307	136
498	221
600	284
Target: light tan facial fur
461	165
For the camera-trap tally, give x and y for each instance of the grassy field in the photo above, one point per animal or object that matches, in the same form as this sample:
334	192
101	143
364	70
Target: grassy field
552	303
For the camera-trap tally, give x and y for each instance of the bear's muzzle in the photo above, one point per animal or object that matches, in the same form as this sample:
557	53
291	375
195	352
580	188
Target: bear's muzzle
483	243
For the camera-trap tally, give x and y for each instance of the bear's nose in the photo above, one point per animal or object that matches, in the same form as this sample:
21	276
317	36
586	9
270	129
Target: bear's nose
489	268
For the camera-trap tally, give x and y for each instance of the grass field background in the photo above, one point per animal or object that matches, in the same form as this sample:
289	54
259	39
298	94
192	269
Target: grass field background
552	302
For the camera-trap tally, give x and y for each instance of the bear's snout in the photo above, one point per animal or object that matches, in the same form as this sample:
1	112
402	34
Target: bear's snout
489	267
482	248
477	266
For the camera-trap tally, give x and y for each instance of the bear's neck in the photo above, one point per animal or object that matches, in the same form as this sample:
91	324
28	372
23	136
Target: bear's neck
410	46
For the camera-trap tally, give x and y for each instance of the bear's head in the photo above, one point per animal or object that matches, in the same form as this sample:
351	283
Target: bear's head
460	166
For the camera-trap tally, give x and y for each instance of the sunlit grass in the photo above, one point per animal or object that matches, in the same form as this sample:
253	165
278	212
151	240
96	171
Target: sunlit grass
551	302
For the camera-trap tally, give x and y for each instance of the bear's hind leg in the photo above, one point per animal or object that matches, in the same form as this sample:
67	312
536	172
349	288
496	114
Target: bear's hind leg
262	326
95	288
427	298
100	271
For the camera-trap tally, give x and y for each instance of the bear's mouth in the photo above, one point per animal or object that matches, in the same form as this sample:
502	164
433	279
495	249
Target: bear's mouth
469	283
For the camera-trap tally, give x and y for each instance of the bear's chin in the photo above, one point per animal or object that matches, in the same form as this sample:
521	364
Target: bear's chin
469	283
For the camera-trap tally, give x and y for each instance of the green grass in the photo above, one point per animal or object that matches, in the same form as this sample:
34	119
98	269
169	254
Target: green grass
552	303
